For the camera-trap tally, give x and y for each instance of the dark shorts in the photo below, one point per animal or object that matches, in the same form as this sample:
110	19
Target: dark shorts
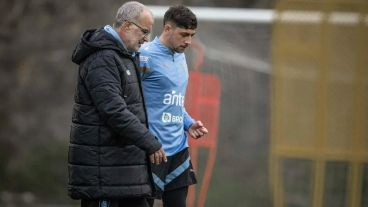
176	173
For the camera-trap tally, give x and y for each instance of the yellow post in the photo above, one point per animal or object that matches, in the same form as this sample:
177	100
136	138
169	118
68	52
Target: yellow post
320	92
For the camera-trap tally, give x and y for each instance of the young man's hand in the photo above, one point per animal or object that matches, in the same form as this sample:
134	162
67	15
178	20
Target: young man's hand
197	130
158	157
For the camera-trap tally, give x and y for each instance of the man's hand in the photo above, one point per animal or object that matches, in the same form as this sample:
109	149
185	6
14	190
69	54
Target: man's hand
197	130
158	156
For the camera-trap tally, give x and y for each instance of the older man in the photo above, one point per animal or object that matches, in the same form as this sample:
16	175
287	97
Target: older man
110	145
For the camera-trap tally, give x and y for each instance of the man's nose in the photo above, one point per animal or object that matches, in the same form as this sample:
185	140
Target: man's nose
188	40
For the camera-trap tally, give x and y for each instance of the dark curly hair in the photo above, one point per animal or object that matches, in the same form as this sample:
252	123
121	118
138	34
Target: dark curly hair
181	16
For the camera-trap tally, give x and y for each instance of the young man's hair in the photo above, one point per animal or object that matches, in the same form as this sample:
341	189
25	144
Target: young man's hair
181	16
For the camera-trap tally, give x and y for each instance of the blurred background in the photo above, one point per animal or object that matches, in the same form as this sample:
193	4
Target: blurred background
282	85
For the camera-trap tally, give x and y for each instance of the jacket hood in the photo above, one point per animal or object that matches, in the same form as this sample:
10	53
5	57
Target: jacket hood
94	40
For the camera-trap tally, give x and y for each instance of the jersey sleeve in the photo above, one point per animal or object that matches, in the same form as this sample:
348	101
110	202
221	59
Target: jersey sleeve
188	120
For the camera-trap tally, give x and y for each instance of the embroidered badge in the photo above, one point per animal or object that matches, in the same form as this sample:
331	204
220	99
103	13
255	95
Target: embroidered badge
144	70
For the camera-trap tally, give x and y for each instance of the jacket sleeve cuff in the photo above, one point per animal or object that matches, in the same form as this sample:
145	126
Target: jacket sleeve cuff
149	144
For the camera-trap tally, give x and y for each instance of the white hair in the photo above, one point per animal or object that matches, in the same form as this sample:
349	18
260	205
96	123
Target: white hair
130	11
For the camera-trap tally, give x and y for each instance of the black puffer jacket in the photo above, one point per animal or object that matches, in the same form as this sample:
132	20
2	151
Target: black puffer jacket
109	139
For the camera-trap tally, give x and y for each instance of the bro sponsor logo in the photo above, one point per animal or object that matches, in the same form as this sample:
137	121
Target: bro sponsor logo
169	118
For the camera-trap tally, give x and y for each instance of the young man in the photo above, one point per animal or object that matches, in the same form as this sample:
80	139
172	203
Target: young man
110	144
164	80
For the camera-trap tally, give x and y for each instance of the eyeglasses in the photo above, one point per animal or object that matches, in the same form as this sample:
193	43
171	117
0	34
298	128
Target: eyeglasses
145	32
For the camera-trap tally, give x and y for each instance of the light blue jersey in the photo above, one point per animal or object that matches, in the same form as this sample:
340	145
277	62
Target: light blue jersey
164	80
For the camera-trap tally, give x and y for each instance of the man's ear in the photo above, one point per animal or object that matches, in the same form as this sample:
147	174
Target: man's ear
167	27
